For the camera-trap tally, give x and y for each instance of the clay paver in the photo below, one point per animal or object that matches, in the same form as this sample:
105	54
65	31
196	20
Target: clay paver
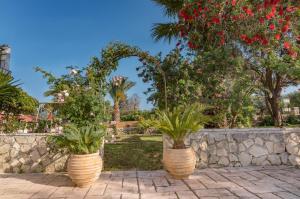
225	183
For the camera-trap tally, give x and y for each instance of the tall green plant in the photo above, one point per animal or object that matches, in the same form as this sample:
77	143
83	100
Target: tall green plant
8	86
79	140
117	88
180	122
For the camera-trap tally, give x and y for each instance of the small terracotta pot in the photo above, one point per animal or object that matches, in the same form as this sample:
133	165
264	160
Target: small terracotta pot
180	163
84	169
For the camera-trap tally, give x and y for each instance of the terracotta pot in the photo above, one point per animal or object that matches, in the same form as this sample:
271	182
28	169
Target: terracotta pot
180	163
84	169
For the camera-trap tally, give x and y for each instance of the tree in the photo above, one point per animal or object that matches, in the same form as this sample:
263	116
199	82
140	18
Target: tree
131	105
14	100
266	34
174	81
117	89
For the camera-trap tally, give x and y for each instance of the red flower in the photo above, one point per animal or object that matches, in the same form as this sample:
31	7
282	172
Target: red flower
233	2
243	37
281	10
261	20
264	41
215	20
285	28
277	36
287	45
272	27
248	11
293	54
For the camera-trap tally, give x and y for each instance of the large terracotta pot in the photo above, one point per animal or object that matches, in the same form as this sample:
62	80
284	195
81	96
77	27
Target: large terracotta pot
180	163
84	169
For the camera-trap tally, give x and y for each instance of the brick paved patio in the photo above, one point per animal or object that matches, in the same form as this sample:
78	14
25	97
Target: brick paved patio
225	183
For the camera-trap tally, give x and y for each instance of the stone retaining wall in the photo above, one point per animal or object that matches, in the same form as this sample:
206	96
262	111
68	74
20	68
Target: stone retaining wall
26	153
243	147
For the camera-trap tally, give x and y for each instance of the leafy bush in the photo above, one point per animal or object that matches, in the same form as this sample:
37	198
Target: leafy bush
136	116
266	121
10	124
292	120
180	122
79	140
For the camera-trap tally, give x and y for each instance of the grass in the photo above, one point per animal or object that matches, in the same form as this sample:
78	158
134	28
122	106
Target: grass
134	152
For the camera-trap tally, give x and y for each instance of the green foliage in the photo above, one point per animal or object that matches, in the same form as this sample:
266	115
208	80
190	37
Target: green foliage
292	120
137	115
14	100
266	121
180	122
118	90
10	124
86	102
170	30
79	140
182	82
294	99
8	86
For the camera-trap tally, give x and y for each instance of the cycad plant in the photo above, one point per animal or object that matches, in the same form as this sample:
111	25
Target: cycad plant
180	122
117	88
79	140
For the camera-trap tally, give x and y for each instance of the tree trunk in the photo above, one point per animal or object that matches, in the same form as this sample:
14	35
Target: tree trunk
275	110
273	82
233	120
116	112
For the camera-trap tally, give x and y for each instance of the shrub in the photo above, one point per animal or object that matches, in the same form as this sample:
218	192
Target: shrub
79	140
180	122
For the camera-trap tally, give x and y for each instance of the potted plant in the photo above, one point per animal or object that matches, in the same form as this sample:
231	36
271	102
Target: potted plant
84	164
180	160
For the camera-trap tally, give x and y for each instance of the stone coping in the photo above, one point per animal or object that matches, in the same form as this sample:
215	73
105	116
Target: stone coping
27	134
250	130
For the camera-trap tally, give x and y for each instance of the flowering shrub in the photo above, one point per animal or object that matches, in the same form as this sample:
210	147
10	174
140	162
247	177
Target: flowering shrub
260	23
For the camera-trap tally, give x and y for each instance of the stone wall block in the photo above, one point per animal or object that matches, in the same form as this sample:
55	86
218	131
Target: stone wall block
274	159
219	137
270	146
245	159
284	157
279	147
242	147
258	151
294	160
259	160
248	143
233	147
4	148
259	141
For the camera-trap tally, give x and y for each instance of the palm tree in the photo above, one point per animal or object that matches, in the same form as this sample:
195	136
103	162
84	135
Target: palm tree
118	87
170	30
8	86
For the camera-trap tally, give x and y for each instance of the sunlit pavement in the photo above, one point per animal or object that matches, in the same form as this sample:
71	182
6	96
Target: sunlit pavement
225	183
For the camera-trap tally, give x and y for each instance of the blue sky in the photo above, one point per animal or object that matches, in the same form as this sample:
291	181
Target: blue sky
53	34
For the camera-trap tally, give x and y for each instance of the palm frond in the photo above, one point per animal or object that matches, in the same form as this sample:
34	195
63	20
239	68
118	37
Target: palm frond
165	31
171	7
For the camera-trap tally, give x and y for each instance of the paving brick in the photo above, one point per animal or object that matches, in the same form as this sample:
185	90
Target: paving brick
286	195
268	196
213	192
